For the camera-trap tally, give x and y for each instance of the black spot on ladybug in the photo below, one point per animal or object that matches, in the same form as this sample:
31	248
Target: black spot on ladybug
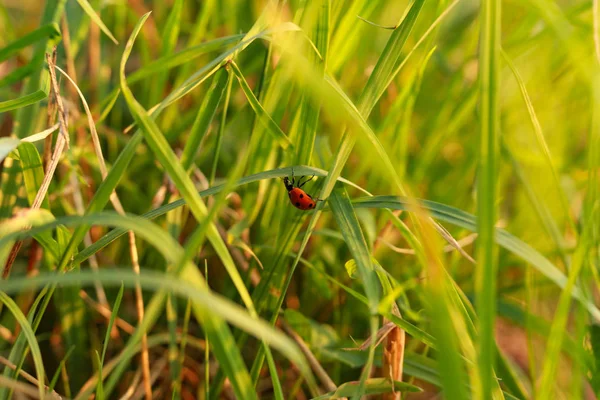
301	196
297	204
311	205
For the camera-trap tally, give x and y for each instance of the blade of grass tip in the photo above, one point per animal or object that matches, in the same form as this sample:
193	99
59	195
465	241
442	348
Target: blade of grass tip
317	20
263	117
349	226
485	274
89	10
61	366
31	340
221	130
19	351
205	116
111	322
539	135
99	384
113	315
547	388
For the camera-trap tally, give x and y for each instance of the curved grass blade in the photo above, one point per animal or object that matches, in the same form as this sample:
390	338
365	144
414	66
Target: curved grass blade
30	336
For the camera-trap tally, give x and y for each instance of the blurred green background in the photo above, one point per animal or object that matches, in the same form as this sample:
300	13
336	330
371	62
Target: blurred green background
487	111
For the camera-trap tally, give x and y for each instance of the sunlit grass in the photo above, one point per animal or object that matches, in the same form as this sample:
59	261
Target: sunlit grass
165	260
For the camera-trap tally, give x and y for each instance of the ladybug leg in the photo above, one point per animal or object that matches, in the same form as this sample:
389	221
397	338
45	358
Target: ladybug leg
305	182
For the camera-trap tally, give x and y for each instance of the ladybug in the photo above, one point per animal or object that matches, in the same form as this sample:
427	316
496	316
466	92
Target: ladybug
299	198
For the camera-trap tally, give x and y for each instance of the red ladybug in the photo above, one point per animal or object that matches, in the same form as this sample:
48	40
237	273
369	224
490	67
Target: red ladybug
299	198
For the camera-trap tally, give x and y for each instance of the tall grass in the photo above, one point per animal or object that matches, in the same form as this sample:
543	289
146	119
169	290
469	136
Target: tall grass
149	248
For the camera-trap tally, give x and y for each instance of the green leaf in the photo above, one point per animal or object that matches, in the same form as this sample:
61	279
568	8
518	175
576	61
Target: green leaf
89	10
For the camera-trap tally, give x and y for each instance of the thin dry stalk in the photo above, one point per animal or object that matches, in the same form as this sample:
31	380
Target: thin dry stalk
310	357
61	142
157	370
20	387
106	313
140	310
77	195
131	389
467	240
25	375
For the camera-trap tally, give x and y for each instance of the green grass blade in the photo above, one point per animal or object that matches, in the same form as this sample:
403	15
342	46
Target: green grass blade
382	74
317	15
486	273
205	116
31	340
50	31
89	10
111	321
348	224
263	117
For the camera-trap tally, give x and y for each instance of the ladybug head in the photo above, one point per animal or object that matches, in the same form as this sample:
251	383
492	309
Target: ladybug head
289	185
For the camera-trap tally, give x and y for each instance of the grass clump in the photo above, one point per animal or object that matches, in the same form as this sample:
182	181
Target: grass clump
149	248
